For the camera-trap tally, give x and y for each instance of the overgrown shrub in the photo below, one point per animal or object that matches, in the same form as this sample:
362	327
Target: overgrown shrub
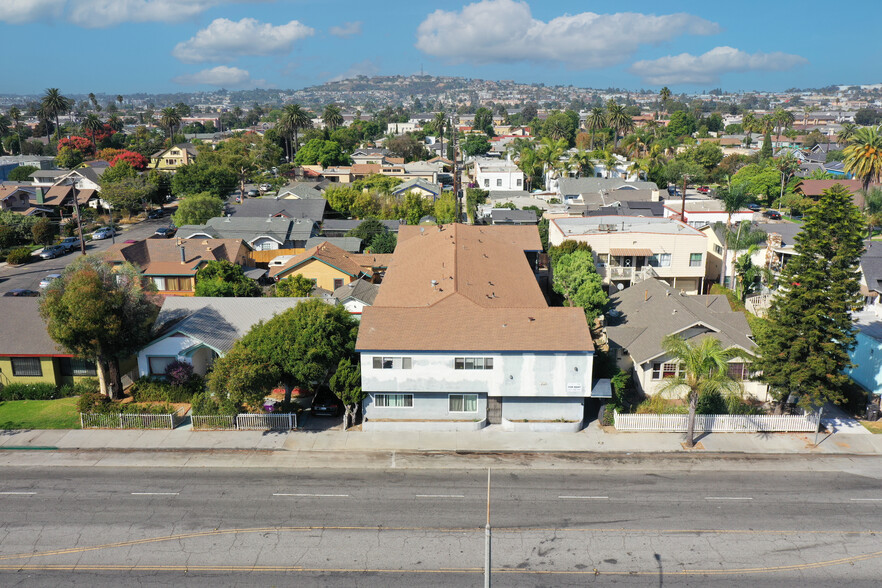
84	386
95	402
99	404
147	389
204	403
657	404
19	256
36	391
711	403
178	373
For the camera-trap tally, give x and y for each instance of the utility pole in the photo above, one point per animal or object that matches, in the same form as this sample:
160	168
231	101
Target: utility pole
683	206
487	537
73	187
456	180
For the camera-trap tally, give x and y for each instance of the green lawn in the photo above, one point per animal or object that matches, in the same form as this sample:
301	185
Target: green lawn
40	414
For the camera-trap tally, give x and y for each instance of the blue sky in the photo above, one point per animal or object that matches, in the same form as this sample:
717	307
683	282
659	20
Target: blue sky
126	46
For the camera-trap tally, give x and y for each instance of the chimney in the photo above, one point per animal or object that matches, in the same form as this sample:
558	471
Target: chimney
39	194
645	295
655	196
183	254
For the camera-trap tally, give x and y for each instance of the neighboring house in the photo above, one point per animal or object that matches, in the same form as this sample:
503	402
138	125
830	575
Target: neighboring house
312	208
355	296
779	245
172	263
418	186
505	216
871	276
401	128
198	330
630	208
867	352
493	175
62	197
174	157
328	266
339	227
641	317
700	213
28	355
46	178
273	232
370	155
814	188
20	200
347	244
460	335
628	250
603	191
10	162
303	190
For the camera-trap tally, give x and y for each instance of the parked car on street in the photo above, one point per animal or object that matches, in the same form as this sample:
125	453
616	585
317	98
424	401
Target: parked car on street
326	404
52	251
22	292
104	233
703	190
70	243
265	187
158	213
772	214
253	193
754	207
165	232
44	283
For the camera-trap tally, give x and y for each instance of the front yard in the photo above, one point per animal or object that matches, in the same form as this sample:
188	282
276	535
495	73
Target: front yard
39	414
873	426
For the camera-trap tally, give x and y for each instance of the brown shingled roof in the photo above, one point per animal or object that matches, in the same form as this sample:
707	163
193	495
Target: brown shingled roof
163	256
366	168
326	253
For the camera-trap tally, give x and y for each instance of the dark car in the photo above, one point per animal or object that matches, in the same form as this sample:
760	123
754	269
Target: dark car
326	404
21	292
772	214
158	213
754	207
52	252
165	232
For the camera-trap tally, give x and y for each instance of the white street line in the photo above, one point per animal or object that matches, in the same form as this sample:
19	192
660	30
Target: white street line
155	493
584	497
18	493
314	495
728	498
866	499
439	496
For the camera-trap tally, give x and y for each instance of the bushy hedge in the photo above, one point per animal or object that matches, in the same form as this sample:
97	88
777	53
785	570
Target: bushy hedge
18	256
146	389
46	391
99	404
204	404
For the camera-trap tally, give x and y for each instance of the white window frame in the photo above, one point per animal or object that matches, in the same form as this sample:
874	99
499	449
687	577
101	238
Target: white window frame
695	262
462	363
387	362
385	399
463	400
150	359
661	259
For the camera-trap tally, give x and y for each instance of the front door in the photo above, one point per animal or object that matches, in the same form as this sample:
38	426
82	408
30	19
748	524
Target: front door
494	410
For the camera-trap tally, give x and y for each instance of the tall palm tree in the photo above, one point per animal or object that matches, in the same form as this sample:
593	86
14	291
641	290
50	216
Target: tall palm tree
332	117
440	122
4	128
53	104
292	120
115	122
783	120
618	119
595	121
863	156
846	133
170	118
92	124
703	369
549	153
15	117
119	99
580	163
788	165
610	162
733	199
664	95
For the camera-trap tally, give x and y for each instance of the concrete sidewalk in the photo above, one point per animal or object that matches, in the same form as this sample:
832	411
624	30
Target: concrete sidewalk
492	439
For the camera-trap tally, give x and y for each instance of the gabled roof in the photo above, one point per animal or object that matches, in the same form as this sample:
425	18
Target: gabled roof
326	253
303	190
576	186
22	330
217	322
62	196
417	183
312	208
188	147
163	256
360	290
348	244
649	311
248	229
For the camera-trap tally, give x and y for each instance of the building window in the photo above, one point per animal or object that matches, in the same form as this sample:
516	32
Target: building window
158	364
718	250
71	366
695	260
473	363
338	283
498	182
520	182
739	371
486	182
462	403
663	371
393	400
660	260
26	366
393	363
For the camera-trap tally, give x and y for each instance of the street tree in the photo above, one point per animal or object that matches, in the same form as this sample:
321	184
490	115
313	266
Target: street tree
100	312
128	194
242	378
222	279
346	385
196	209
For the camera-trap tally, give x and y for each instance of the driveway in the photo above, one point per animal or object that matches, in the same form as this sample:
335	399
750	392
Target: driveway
28	276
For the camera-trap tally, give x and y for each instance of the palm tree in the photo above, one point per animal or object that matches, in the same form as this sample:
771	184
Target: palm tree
610	162
440	122
703	368
580	163
119	99
4	128
15	117
293	119
846	133
863	156
332	117
170	118
549	154
115	122
528	162
664	95
783	120
595	120
618	119
53	104
733	199
91	126
787	165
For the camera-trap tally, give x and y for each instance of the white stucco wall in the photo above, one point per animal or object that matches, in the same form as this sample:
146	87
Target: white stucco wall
171	347
650	387
426	406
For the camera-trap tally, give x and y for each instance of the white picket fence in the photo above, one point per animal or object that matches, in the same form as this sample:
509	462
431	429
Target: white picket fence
246	422
717	423
129	421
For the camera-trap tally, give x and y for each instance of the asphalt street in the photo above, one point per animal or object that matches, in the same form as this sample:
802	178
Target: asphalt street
29	276
654	526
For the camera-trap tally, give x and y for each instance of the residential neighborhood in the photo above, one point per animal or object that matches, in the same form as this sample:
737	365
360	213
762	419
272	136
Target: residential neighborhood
329	295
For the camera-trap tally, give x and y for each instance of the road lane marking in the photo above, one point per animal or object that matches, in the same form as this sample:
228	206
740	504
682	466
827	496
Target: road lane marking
584	497
18	493
439	496
314	495
728	498
155	493
866	499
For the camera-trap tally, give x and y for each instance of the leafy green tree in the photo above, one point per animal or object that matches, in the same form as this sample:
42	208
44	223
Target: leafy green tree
197	209
346	385
766	150
69	158
340	198
383	243
22	173
123	170
128	195
43	231
100	312
365	205
445	208
296	286
377	183
806	345
367	230
758	179
708	155
242	378
577	280
475	145
222	279
199	177
304	344
407	146
321	152
704	366
484	121
415	207
681	124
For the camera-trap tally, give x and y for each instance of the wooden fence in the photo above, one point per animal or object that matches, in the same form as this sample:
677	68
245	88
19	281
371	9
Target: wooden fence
246	422
265	256
717	423
129	421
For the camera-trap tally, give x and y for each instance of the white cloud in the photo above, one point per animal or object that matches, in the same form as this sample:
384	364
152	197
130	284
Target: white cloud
494	31
224	39
349	29
707	68
222	75
21	11
368	67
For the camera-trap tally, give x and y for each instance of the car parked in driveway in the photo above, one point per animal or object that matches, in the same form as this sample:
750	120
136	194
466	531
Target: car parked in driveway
753	206
52	251
104	233
326	404
165	232
44	283
772	214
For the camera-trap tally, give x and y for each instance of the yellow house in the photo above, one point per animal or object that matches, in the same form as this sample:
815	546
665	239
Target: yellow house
174	157
329	266
27	354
